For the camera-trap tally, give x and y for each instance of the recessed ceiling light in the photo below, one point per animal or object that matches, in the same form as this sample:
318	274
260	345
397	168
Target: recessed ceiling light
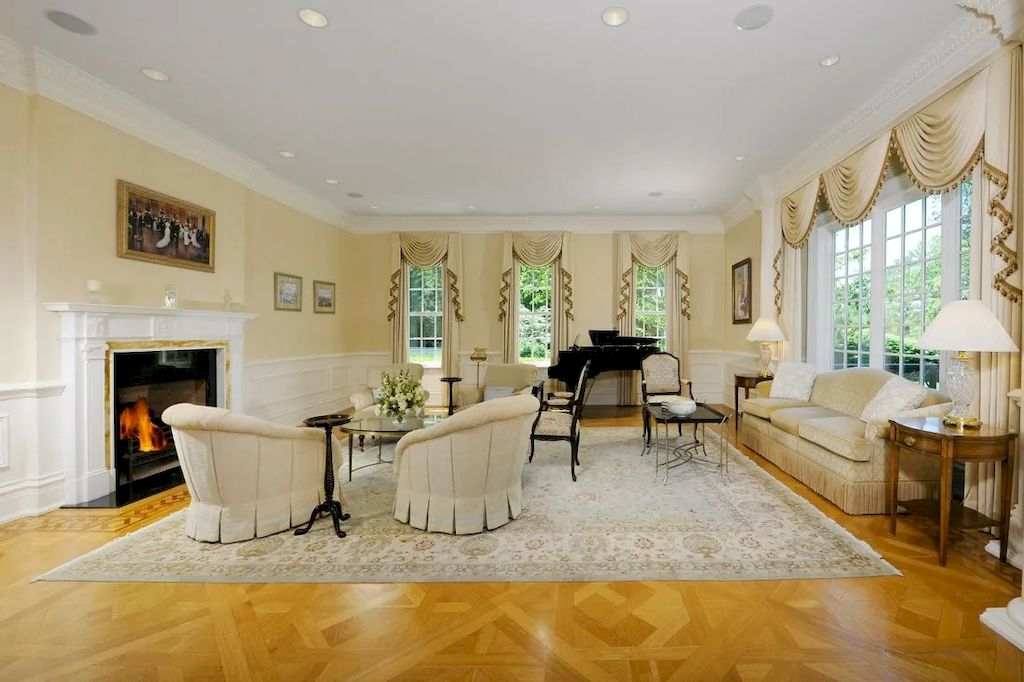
655	194
471	207
331	181
753	17
375	207
354	195
597	208
740	157
310	17
287	154
830	60
615	16
155	74
69	22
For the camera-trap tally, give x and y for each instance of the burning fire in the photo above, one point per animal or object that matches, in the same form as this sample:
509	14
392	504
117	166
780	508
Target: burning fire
135	423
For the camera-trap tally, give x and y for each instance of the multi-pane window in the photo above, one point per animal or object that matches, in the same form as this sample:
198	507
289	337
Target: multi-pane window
650	312
426	315
851	296
535	294
891	274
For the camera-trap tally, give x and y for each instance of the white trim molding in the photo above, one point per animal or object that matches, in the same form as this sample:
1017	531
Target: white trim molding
597	224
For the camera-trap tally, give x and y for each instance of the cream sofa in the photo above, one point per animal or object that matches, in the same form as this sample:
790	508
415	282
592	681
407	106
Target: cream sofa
517	376
247	477
465	473
824	444
362	397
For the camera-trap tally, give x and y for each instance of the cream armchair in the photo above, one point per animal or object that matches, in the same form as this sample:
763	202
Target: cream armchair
465	473
517	376
362	396
247	477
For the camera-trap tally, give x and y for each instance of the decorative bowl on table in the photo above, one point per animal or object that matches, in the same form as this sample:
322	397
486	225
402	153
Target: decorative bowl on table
680	407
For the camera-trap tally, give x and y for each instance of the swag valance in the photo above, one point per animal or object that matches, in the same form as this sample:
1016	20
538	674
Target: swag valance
425	250
939	146
536	249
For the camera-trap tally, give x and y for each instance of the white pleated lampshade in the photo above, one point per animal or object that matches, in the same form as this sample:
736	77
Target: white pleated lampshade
967	326
765	329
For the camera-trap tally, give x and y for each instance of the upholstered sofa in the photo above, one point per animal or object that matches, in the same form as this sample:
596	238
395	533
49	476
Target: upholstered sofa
824	444
465	473
247	477
518	377
362	396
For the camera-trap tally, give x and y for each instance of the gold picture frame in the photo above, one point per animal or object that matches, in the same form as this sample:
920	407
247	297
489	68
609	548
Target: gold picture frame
287	292
324	297
158	228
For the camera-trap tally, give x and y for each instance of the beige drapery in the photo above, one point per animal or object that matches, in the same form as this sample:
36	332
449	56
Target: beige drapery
979	121
536	249
671	249
425	250
798	211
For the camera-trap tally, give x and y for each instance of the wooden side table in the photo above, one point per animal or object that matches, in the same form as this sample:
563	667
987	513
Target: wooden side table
451	381
930	437
746	381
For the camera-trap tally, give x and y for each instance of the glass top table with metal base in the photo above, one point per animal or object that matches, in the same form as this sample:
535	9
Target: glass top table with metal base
383	427
675	453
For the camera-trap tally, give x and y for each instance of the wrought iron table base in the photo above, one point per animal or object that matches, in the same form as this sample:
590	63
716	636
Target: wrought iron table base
685	453
330	505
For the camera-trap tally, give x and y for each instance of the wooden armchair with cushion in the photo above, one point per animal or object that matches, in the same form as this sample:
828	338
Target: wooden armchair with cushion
562	423
660	378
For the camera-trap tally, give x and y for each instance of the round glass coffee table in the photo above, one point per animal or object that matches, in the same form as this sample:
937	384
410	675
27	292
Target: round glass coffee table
382	427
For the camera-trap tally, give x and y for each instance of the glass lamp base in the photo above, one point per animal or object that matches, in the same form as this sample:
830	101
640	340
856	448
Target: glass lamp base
765	359
963	387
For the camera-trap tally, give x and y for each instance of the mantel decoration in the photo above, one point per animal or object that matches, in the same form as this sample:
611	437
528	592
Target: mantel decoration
400	395
157	228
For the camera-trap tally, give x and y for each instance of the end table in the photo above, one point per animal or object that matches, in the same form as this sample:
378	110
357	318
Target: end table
746	381
329	506
930	437
451	381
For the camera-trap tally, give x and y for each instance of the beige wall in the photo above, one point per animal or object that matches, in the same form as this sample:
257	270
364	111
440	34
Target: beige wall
363	298
743	241
280	239
481	275
17	272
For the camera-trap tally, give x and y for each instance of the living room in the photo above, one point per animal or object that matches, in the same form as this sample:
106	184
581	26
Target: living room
663	264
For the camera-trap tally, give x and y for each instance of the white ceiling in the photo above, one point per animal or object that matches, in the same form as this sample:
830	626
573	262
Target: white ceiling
526	107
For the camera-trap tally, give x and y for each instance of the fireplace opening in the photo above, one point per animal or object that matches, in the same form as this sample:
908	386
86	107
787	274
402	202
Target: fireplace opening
145	384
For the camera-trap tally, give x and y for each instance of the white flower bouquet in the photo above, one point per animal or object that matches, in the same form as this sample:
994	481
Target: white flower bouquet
400	395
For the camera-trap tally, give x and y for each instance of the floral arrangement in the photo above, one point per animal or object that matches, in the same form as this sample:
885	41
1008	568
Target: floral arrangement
401	395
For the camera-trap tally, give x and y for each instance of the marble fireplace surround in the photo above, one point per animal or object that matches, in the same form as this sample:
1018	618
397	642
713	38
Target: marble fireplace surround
90	336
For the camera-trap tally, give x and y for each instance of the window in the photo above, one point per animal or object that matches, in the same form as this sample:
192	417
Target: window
535	294
426	314
650	311
891	274
851	296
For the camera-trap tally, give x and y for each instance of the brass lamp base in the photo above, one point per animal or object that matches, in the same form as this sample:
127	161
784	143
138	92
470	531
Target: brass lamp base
962	423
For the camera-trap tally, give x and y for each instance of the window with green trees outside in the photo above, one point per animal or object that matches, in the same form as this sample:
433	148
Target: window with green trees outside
535	301
426	315
650	311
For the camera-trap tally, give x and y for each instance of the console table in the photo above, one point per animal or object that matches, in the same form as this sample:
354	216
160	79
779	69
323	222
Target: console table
930	437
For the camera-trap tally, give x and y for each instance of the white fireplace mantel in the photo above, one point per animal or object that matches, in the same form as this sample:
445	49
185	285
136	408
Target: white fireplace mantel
89	334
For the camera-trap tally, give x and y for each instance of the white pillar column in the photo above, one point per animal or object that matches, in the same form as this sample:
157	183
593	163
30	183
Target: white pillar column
771	239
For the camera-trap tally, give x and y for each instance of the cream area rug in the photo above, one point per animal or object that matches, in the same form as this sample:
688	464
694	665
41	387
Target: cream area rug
614	524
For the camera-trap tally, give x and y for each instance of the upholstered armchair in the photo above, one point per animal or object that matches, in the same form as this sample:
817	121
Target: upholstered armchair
660	378
501	380
465	473
247	477
362	396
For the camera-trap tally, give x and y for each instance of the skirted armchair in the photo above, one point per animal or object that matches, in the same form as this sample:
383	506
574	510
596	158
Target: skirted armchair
362	396
465	473
247	477
507	379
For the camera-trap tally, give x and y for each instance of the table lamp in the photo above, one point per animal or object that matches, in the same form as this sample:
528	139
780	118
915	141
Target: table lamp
766	330
479	355
962	327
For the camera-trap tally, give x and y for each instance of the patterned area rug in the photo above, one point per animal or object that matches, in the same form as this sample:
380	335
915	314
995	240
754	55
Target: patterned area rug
614	524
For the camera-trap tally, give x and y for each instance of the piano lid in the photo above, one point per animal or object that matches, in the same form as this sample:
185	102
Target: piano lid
612	337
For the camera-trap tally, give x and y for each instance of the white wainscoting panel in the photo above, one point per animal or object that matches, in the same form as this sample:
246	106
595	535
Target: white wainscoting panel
5	441
31	477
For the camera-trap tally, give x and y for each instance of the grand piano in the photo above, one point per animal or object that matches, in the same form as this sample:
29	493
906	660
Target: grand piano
610	352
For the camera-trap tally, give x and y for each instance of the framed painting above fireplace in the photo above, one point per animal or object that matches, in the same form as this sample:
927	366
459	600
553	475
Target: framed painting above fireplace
157	228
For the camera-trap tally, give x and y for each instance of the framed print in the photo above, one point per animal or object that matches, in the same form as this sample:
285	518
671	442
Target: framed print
741	291
323	297
158	228
287	292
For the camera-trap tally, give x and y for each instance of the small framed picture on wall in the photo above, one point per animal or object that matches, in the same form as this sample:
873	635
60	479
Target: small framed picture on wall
287	292
323	297
741	291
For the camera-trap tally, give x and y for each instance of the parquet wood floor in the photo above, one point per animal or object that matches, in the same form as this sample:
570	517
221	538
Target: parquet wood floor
922	625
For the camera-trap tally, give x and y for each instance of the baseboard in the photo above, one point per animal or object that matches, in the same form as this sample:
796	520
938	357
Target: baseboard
31	496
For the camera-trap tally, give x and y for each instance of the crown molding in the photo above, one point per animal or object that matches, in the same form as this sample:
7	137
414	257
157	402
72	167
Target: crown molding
962	46
603	224
738	212
36	71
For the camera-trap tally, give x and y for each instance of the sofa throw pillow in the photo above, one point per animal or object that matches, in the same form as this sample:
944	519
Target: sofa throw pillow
492	392
793	381
376	393
898	394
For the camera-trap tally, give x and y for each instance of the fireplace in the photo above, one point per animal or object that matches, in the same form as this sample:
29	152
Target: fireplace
144	384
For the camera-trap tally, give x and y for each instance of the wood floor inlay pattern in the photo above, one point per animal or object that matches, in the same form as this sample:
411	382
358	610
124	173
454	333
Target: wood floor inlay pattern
922	625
